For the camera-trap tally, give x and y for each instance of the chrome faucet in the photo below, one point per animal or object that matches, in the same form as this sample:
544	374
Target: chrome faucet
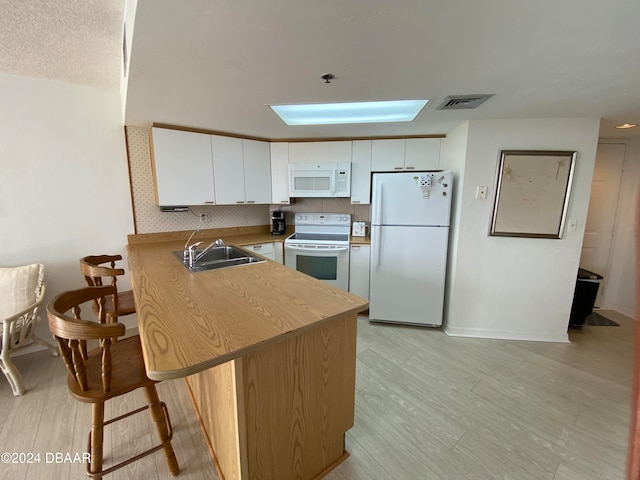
216	243
187	254
192	257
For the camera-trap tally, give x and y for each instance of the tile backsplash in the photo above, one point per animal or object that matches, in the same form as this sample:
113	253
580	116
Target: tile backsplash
149	218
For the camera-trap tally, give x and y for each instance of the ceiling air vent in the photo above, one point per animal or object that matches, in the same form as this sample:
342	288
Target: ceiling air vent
463	102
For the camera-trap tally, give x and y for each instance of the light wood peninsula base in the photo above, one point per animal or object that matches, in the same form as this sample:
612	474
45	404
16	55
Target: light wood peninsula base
281	411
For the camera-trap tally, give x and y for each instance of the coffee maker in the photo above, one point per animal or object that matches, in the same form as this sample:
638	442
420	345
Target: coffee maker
277	223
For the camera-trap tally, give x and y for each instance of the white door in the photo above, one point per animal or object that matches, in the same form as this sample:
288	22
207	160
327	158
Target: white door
359	270
401	199
387	155
329	263
422	154
603	204
228	170
407	274
257	171
182	167
280	173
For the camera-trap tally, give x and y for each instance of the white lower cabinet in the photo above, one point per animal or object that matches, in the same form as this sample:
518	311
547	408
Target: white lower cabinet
359	270
278	252
272	250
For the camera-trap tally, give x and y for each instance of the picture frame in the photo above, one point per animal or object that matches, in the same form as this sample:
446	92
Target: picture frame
532	193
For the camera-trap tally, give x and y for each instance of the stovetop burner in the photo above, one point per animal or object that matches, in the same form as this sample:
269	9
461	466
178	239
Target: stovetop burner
322	228
336	237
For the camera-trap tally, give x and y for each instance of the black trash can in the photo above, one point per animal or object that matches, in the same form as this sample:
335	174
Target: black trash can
584	296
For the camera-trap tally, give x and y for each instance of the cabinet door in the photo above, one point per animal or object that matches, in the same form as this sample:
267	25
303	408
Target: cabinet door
280	173
359	270
361	172
387	155
320	152
182	167
264	249
278	253
422	154
228	170
257	171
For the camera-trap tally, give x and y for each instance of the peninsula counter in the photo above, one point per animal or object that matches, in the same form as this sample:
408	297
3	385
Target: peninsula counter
268	355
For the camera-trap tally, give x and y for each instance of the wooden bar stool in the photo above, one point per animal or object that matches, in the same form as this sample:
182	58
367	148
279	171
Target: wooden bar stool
110	370
96	273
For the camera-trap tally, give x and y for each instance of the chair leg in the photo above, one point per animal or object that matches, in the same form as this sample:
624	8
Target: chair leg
97	435
161	426
13	375
44	343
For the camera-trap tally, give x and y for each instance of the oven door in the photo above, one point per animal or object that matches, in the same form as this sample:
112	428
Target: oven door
329	263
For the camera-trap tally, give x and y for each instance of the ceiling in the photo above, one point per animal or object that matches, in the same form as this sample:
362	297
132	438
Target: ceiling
216	64
71	41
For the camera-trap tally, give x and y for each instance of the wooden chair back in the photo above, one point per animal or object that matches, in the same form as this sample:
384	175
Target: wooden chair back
73	331
96	273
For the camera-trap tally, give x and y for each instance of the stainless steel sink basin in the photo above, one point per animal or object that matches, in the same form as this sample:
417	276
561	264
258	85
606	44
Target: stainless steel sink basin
220	257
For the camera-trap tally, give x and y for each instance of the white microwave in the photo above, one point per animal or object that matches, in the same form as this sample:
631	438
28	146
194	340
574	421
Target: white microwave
319	179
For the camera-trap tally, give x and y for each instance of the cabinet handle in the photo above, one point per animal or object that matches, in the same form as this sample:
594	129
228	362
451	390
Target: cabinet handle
251	201
284	201
355	246
210	202
355	201
397	168
257	247
410	168
239	201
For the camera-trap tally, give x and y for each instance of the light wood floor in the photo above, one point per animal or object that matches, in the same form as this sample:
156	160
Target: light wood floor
428	406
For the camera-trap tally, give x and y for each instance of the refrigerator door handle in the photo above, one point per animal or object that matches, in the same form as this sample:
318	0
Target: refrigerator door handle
378	242
377	208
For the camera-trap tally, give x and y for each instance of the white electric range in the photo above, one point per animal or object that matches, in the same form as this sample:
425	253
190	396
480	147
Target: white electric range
320	247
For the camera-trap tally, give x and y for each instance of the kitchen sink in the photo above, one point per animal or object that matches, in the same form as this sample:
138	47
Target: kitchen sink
220	257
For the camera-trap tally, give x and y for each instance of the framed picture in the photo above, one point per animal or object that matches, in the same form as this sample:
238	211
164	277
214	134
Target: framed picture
532	193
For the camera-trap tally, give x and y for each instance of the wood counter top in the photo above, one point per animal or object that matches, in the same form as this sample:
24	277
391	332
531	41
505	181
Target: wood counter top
189	322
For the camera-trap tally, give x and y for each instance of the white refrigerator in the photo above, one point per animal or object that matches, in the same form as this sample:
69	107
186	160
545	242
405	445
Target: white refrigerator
409	239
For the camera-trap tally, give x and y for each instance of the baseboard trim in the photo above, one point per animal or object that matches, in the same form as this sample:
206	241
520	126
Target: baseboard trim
504	335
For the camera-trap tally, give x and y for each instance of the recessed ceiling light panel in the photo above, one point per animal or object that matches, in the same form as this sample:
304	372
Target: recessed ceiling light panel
627	125
354	112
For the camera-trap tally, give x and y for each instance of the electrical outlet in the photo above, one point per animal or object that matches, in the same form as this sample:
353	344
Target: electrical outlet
481	192
205	217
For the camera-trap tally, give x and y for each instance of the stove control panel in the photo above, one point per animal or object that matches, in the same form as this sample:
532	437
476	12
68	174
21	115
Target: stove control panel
329	219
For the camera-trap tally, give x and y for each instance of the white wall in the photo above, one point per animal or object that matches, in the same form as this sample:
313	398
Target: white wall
518	288
130	9
453	156
64	189
620	294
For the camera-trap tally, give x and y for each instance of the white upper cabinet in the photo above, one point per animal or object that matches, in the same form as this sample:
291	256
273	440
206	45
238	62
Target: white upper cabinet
192	168
422	154
405	154
241	170
387	155
257	171
280	173
182	167
320	152
228	170
361	172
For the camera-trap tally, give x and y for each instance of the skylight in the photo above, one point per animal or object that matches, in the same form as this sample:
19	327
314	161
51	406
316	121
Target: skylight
354	112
